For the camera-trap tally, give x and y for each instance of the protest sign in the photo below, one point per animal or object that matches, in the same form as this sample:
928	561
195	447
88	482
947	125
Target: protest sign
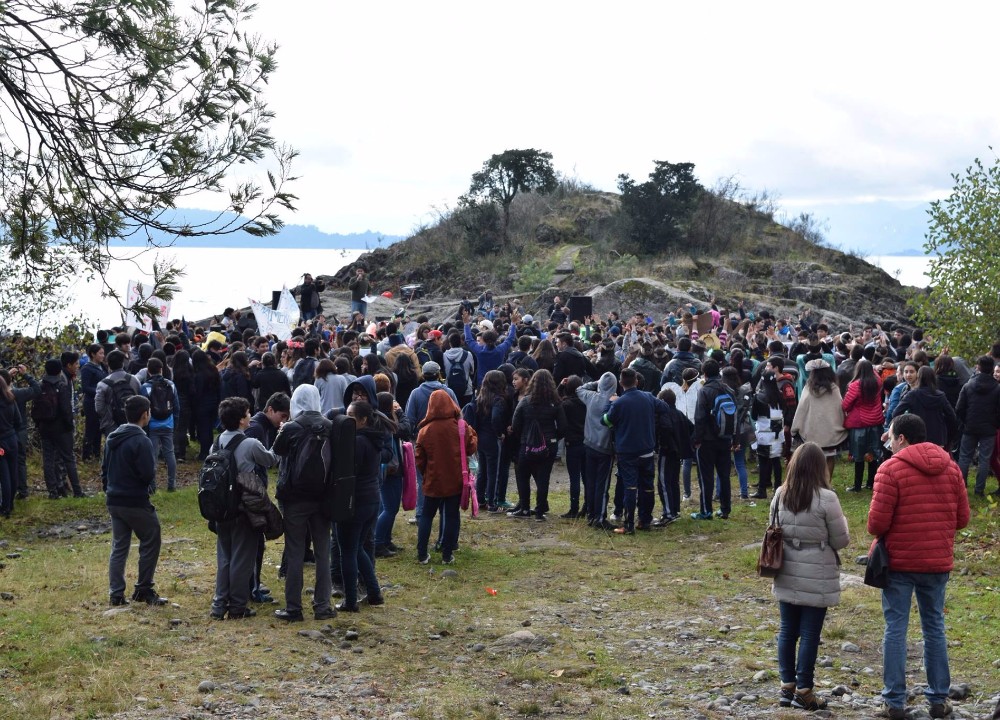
137	293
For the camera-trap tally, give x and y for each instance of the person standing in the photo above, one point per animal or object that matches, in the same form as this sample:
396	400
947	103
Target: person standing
713	445
814	529
309	300
539	422
633	417
598	441
301	489
359	290
438	456
979	410
10	427
164	410
863	419
918	504
90	375
130	468
53	415
22	396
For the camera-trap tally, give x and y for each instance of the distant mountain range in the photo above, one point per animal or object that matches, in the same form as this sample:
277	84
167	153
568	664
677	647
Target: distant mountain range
291	236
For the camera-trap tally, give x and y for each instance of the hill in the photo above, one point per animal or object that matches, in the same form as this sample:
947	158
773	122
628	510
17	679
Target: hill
575	242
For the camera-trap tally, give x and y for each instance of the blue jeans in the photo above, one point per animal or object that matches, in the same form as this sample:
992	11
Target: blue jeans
637	475
392	494
800	625
966	450
597	476
451	523
359	306
686	466
163	444
354	560
575	456
740	463
930	591
489	465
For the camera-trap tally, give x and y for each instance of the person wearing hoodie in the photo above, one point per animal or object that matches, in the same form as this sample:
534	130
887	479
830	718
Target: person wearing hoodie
302	507
165	408
264	427
979	410
357	561
237	539
682	360
598	448
55	427
438	457
130	469
458	355
416	410
932	405
918	504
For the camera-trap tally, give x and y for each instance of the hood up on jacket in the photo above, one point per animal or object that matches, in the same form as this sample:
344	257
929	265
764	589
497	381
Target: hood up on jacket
440	407
304	399
926	457
607	384
366	383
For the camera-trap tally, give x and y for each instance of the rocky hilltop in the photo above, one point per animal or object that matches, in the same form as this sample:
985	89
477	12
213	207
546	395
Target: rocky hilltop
565	244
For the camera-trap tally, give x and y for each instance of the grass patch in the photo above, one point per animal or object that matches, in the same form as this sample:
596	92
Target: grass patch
614	611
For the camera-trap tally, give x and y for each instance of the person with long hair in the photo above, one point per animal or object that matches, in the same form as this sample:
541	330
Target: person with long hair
819	417
814	529
184	382
932	406
10	425
207	394
863	419
407	376
398	426
486	416
545	355
538	417
948	381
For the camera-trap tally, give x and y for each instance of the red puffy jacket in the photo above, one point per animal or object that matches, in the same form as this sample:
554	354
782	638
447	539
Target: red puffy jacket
857	412
918	504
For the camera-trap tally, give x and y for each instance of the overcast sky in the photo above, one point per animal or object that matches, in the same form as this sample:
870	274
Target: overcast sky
843	110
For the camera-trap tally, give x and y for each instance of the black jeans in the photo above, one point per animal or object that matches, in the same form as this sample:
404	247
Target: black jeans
540	470
715	458
596	478
57	450
575	457
91	430
670	484
451	523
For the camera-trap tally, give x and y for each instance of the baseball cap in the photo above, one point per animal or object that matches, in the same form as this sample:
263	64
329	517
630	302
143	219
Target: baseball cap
431	368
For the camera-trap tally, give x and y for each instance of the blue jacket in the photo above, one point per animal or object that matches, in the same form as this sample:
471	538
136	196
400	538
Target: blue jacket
129	467
167	424
90	375
416	406
633	417
488	358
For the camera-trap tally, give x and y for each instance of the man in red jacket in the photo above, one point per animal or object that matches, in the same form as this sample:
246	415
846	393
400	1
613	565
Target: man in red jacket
919	502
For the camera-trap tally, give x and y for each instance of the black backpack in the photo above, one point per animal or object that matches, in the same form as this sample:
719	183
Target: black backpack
312	463
218	499
424	355
457	378
121	390
534	446
161	398
46	406
338	501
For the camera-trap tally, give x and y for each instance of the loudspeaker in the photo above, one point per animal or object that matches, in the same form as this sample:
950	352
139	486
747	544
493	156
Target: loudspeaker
275	299
580	306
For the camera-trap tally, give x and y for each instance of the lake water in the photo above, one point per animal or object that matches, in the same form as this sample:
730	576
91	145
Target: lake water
215	278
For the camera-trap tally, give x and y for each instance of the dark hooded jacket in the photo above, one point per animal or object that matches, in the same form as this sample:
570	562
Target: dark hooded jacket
129	467
979	405
63	421
305	418
933	408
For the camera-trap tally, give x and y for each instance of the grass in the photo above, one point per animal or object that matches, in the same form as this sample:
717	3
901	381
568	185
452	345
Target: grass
692	585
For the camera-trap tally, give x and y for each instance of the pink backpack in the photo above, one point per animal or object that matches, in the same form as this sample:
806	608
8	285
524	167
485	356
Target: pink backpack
468	479
409	476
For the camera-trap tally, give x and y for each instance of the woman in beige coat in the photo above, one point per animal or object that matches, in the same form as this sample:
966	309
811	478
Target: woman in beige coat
814	528
819	417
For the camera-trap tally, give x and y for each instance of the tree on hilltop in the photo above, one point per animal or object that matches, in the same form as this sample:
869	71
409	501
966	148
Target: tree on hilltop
112	112
962	307
655	213
511	172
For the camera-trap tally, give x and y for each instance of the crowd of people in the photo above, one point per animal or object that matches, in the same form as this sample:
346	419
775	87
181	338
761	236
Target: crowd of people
635	407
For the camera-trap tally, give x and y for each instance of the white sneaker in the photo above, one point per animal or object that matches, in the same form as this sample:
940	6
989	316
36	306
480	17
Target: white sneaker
412	521
613	518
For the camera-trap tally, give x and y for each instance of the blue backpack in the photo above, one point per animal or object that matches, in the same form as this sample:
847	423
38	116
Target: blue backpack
724	416
457	378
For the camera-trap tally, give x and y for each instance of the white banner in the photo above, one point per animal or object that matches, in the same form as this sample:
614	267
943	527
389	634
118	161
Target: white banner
273	322
287	304
137	293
